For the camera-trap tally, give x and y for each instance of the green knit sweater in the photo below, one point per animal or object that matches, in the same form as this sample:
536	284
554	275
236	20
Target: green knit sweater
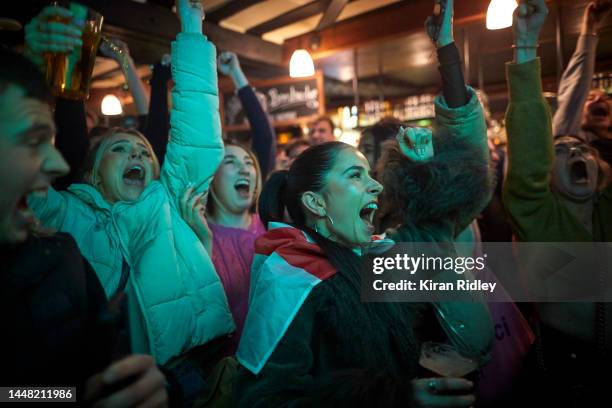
536	212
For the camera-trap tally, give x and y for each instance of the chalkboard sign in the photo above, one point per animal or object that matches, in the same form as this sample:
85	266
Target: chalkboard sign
288	101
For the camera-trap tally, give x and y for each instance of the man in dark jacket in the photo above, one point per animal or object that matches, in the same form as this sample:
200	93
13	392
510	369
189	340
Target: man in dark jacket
57	330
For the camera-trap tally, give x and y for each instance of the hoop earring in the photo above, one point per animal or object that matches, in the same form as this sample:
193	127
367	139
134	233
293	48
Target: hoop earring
330	221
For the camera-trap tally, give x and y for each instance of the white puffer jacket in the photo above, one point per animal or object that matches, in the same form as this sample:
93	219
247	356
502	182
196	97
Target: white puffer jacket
176	299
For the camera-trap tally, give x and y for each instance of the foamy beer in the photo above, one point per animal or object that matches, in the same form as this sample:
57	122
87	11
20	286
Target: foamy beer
69	75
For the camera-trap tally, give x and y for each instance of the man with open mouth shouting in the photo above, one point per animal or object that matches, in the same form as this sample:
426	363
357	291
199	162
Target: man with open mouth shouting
581	126
51	301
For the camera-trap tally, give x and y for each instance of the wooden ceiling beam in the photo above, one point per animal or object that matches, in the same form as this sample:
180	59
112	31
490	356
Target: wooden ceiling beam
290	17
331	14
229	9
244	45
392	21
158	26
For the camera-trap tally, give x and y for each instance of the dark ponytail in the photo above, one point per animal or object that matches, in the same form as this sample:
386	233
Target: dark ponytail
284	188
271	207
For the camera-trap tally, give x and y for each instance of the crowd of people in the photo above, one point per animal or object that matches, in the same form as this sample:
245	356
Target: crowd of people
163	265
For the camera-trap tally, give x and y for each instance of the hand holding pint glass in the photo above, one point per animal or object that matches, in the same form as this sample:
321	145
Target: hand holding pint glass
444	360
64	40
450	390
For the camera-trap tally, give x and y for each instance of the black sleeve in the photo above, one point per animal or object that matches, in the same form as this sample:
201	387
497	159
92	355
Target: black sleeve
262	133
71	138
451	71
158	120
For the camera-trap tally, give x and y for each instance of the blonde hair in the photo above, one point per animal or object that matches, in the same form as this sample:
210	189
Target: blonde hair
96	153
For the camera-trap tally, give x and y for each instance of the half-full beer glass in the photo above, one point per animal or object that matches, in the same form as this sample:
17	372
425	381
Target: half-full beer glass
69	74
445	360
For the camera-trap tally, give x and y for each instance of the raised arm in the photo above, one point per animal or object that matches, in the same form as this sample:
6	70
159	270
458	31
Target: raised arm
458	180
460	133
41	36
458	109
44	36
467	324
527	192
577	78
530	148
440	30
119	51
157	124
263	138
195	147
71	138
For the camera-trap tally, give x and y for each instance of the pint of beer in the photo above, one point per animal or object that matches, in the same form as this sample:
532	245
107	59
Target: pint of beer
69	75
444	360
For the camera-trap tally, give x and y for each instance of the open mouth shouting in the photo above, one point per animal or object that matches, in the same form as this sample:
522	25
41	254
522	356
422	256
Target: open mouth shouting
134	175
599	109
578	172
367	215
24	215
243	188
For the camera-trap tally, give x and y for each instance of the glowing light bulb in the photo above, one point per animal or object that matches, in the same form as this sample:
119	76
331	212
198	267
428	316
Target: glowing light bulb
499	14
111	105
301	64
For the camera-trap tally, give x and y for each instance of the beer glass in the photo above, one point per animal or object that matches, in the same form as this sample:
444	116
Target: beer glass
444	360
69	74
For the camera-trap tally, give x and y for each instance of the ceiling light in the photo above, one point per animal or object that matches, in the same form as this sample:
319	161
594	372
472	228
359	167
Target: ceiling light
301	64
499	14
111	105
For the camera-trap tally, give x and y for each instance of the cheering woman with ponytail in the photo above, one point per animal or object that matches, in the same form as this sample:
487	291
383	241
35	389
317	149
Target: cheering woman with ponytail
308	339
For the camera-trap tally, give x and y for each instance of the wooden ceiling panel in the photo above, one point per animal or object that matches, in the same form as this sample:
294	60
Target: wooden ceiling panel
290	17
262	12
331	13
387	34
279	35
308	24
391	21
230	8
358	7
